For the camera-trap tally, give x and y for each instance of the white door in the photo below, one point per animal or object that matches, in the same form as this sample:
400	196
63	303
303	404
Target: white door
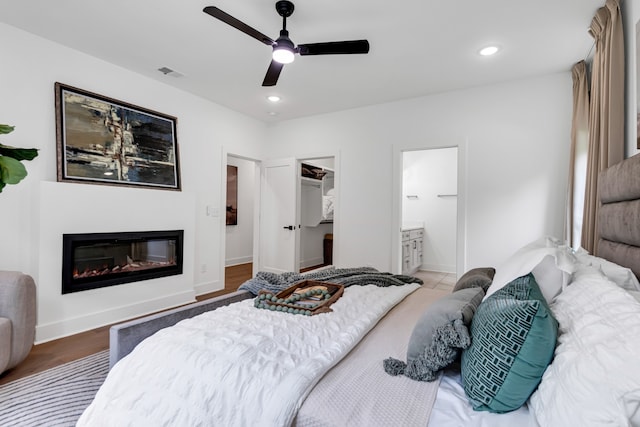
279	217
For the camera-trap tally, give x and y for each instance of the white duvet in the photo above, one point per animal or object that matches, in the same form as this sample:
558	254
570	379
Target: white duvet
237	365
594	379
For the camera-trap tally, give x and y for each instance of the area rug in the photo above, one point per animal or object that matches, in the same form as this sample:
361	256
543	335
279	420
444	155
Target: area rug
55	397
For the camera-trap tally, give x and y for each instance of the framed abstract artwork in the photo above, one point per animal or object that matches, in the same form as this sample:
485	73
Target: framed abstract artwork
232	195
105	141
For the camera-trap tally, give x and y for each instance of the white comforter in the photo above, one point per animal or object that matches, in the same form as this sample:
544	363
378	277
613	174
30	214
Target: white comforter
594	379
237	365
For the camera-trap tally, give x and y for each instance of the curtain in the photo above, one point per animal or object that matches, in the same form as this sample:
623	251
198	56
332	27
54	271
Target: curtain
606	115
578	156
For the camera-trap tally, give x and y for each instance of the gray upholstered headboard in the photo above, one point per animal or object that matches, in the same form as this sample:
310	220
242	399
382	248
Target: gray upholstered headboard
619	215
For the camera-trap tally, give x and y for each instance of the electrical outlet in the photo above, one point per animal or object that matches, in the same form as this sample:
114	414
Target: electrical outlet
203	268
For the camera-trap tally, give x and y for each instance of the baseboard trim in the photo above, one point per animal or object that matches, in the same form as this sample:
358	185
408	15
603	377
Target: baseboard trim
208	287
438	268
237	261
55	330
311	262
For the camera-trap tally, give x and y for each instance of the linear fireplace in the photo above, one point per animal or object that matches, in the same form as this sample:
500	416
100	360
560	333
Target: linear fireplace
96	260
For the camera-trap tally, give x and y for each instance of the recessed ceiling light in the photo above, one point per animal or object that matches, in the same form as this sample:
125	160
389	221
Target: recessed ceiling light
489	50
273	98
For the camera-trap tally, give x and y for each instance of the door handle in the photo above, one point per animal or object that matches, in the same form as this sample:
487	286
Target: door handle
289	227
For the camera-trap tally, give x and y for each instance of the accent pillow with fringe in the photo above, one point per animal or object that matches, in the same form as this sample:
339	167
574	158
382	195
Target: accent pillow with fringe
439	336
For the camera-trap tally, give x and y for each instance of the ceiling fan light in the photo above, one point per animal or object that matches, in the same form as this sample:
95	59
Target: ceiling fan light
283	49
283	55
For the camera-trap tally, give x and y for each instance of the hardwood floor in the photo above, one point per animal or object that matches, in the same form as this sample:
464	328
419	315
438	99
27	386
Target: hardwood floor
53	353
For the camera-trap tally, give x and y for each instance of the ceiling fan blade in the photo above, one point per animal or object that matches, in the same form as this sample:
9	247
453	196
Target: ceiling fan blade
334	48
235	23
273	72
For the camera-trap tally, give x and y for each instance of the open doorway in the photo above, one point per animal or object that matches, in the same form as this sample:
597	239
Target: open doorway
429	213
240	211
317	211
285	221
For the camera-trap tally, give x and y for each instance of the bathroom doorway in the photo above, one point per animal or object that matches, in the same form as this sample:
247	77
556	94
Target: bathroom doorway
429	210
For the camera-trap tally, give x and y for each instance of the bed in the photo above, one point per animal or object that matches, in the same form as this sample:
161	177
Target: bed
548	338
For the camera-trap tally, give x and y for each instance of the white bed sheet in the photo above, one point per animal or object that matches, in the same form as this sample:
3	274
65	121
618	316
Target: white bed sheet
452	409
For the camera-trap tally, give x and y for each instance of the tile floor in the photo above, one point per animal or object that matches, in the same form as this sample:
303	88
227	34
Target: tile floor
437	280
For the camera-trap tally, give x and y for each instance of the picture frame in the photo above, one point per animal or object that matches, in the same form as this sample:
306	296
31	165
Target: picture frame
232	195
105	141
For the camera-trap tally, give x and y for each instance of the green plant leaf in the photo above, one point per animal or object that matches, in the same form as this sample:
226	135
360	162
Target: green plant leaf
2	185
11	170
6	129
18	153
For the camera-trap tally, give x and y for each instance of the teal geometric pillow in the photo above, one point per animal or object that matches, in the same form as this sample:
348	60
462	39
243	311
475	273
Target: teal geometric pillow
513	337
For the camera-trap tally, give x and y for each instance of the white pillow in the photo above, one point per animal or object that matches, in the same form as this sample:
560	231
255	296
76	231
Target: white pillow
550	263
621	276
594	377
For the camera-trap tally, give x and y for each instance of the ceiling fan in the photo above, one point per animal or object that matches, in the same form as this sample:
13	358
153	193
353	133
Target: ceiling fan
283	48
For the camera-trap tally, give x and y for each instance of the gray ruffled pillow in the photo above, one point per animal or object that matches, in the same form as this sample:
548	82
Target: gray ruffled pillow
476	278
439	336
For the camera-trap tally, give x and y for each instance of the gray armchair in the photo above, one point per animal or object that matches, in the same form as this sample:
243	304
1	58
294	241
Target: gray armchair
17	317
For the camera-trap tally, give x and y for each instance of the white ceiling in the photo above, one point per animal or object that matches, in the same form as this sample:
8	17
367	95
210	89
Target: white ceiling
418	47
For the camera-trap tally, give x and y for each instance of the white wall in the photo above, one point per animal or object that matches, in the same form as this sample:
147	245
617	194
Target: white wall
517	143
239	243
630	17
430	174
34	213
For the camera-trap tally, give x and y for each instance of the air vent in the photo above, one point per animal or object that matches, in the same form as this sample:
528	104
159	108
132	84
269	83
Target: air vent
169	72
